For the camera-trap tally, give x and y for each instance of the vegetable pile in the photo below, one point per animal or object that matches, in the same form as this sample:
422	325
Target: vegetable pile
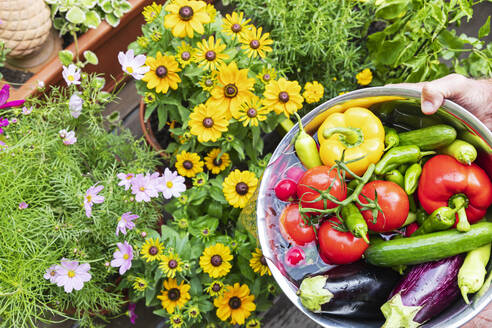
397	218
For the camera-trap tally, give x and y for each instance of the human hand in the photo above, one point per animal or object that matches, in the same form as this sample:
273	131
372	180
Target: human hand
473	95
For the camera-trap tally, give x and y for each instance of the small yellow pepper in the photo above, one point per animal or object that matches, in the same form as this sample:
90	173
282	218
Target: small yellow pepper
358	132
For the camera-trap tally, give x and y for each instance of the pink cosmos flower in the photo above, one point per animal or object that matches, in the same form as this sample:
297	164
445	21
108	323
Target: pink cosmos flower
26	111
3	123
131	312
23	205
126	179
75	105
71	74
123	257
51	274
69	138
143	188
173	184
4	96
71	275
133	65
125	222
91	197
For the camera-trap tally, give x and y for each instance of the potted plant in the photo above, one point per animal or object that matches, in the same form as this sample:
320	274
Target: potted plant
211	83
71	214
105	40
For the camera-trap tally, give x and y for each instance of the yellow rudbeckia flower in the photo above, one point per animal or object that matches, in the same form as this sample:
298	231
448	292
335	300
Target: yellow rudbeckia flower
186	17
162	74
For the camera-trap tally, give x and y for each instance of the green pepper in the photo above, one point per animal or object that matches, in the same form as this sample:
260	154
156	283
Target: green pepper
403	168
394	176
441	219
391	138
400	155
463	151
472	273
412	176
355	221
411	203
421	216
306	148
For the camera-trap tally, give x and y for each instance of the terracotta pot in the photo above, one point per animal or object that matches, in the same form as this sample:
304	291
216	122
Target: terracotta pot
148	133
105	41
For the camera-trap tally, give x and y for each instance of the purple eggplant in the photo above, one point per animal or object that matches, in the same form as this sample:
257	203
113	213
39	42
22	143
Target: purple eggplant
355	290
425	291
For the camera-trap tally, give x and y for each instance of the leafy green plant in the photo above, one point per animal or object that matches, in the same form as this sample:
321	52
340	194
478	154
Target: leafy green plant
418	44
80	15
318	40
43	183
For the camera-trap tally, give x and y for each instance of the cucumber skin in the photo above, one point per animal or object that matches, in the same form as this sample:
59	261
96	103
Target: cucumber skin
429	138
428	247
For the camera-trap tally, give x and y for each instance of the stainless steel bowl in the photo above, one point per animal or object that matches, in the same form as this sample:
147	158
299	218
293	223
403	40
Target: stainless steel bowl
381	98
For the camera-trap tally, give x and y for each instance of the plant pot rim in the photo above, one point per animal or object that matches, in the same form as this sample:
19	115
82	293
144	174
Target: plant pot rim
148	133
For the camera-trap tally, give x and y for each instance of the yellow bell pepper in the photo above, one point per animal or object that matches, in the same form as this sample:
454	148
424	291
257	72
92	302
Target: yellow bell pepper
358	132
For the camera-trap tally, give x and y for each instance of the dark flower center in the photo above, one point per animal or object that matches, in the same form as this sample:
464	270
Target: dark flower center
186	13
254	44
205	231
283	96
235	302
230	91
210	55
153	250
236	28
193	313
216	287
251	112
217	161
185	55
263	260
188	165
141	284
177	321
242	188
172	264
173	294
266	77
208	122
161	71
209	82
216	260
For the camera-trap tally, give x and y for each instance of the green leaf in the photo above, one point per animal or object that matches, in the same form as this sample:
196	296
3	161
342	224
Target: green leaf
66	57
91	57
106	6
449	40
112	20
149	296
88	3
168	233
205	306
92	19
245	269
196	286
392	9
162	117
75	15
161	313
485	29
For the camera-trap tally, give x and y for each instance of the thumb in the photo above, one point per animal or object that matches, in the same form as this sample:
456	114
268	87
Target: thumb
433	93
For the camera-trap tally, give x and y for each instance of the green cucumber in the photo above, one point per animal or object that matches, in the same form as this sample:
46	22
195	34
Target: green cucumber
429	247
429	138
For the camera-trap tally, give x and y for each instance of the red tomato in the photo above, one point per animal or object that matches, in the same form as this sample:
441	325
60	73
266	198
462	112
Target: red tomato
337	247
320	178
285	190
393	202
293	228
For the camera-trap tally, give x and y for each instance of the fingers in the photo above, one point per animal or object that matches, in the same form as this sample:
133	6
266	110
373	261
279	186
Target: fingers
450	87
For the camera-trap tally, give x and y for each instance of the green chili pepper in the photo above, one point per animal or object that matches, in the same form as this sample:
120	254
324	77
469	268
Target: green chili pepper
306	149
355	221
463	151
411	203
412	176
403	168
353	184
400	155
394	176
421	216
441	219
391	138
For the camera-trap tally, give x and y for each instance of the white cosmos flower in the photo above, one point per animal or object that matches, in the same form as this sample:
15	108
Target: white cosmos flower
172	184
133	65
71	74
75	105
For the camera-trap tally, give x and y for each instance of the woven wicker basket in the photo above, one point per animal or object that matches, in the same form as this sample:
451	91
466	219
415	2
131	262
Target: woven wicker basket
25	25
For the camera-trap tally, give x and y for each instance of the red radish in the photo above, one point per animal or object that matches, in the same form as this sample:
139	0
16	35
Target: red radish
286	190
294	256
411	229
295	173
